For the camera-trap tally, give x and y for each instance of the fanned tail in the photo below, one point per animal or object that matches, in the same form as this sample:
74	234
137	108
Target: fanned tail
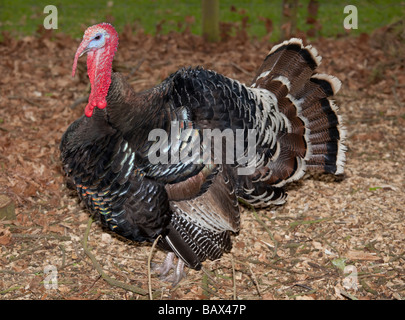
314	135
316	132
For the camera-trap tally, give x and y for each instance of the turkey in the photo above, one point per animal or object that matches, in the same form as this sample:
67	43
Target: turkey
174	161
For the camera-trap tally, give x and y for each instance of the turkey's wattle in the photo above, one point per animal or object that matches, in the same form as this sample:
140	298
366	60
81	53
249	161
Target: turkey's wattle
194	205
100	42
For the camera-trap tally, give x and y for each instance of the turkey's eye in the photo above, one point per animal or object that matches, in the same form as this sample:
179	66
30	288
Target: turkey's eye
97	37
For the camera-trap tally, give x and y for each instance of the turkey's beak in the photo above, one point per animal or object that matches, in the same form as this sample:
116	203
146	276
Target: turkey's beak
84	51
83	48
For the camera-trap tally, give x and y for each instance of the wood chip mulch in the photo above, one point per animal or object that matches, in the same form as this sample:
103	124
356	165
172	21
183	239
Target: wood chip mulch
335	238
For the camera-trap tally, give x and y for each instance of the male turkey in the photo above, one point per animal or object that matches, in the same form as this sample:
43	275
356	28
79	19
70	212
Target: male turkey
192	202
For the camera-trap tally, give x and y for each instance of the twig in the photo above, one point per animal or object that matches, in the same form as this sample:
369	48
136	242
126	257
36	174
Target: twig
149	262
303	222
308	292
270	265
10	289
256	216
348	295
254	280
302	286
23	255
21	273
302	294
367	287
206	284
99	269
371	120
40	236
241	69
135	69
207	273
79	101
233	278
62	248
394	91
27	100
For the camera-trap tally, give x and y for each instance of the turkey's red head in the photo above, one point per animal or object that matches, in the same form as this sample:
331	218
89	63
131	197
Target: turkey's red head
100	43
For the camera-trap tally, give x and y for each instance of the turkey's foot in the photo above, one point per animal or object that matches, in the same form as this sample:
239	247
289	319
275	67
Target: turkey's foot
164	268
177	275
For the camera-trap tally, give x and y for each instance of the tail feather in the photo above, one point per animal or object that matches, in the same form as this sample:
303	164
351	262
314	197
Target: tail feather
289	60
314	137
289	71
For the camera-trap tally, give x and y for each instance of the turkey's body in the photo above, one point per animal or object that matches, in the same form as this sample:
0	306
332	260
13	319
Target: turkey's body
193	204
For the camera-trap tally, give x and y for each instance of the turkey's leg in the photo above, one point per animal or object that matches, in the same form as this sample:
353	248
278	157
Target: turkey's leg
164	268
178	273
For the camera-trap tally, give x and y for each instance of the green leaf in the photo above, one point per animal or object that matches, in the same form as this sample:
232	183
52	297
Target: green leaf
339	263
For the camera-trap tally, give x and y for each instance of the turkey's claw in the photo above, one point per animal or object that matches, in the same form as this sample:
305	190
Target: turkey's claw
164	268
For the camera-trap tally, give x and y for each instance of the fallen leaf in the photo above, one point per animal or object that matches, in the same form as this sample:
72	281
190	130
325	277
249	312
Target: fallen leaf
5	236
361	255
57	229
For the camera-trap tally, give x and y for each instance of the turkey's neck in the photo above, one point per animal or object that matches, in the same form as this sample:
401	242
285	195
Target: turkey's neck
130	112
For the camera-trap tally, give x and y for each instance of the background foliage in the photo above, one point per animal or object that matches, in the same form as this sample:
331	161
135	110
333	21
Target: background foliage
22	17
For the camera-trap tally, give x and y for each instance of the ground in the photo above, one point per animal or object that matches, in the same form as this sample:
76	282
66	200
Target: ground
335	238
